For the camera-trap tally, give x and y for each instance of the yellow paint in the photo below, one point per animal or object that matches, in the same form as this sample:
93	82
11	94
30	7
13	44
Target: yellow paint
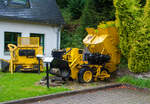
87	76
12	48
25	43
103	40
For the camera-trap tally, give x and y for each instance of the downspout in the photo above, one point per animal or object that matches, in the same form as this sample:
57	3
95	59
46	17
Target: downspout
59	37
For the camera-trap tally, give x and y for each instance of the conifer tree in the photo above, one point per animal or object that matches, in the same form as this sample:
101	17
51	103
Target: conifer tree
134	28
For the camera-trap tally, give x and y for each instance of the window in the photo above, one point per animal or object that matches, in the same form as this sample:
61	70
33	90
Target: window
41	36
22	2
10	38
19	3
3	3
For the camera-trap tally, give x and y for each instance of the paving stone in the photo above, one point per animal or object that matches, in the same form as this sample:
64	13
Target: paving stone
109	96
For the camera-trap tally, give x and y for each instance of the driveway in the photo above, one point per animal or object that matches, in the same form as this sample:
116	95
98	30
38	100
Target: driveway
108	96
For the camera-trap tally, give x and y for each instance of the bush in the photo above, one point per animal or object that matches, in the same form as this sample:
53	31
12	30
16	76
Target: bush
139	60
126	23
134	29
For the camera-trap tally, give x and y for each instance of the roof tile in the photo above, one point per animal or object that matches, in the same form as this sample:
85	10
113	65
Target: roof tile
45	11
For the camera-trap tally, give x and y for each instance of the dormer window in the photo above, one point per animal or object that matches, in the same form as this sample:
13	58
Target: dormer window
19	3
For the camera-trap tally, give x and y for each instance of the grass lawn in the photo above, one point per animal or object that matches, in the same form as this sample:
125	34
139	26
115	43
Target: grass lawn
22	85
139	82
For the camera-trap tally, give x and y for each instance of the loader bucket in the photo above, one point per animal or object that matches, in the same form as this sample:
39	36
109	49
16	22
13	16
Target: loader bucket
60	68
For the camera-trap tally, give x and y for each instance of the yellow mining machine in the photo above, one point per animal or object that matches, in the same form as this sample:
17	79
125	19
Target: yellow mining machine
97	61
24	56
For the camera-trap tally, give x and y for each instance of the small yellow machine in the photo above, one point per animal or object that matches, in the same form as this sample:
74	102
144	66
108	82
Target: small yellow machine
97	61
24	55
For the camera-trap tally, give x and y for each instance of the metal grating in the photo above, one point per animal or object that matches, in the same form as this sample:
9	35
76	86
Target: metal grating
28	41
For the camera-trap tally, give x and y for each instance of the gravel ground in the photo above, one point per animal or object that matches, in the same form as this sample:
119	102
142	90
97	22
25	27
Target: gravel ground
109	96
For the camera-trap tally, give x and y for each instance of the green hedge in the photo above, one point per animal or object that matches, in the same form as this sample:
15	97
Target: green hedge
132	20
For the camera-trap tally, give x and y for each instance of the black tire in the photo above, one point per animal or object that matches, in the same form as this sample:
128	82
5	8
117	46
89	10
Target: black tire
18	68
81	75
4	66
105	70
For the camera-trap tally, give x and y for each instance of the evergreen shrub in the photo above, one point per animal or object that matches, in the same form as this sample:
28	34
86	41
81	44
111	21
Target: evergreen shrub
132	20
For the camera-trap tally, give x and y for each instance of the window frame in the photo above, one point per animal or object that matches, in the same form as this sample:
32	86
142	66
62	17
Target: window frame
11	40
21	5
42	36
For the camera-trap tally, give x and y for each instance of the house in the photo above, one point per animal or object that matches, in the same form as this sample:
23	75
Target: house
30	18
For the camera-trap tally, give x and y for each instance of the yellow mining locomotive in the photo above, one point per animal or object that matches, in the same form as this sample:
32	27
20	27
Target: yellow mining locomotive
96	61
24	55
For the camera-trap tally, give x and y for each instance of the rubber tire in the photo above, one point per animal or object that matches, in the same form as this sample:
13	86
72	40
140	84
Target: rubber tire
81	73
105	70
18	68
4	66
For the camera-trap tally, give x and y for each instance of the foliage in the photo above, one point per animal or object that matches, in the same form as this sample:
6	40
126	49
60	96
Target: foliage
139	82
142	3
126	15
133	27
71	39
75	7
106	9
90	16
123	63
62	3
96	11
23	85
66	15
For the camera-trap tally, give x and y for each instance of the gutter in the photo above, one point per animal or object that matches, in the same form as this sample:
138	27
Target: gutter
59	37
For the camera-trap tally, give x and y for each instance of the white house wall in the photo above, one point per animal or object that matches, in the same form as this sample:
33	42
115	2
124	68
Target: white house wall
50	34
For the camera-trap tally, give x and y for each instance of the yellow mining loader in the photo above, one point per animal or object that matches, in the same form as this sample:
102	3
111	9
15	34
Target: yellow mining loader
96	61
24	56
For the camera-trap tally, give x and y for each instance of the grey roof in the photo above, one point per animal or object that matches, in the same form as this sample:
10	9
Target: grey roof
43	11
